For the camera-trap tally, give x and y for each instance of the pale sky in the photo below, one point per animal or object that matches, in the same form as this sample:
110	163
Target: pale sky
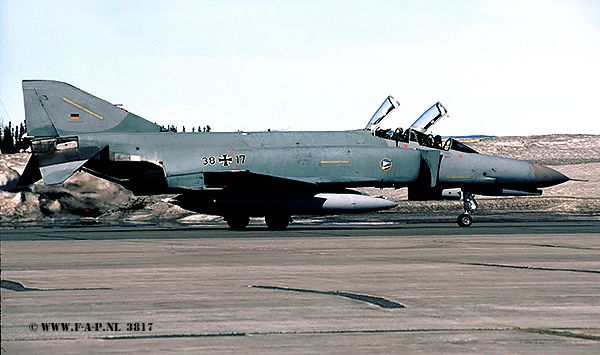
499	67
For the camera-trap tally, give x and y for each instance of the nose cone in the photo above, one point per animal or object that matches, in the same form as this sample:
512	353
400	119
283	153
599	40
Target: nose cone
544	176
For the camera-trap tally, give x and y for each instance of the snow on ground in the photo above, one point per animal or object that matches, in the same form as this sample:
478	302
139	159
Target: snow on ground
85	198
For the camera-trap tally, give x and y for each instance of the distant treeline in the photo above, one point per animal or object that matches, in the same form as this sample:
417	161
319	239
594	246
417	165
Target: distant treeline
11	138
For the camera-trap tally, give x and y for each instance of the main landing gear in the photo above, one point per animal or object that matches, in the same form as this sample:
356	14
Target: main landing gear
469	204
274	222
237	222
277	222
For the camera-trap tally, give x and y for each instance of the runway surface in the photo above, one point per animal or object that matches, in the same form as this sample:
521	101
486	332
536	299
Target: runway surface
356	287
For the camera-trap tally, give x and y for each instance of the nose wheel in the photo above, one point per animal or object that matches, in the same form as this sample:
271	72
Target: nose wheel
469	204
464	220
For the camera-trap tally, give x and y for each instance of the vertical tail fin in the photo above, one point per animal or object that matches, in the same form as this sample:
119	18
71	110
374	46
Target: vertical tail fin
54	108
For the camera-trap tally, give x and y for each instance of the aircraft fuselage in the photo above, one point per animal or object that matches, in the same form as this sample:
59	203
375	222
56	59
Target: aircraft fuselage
271	174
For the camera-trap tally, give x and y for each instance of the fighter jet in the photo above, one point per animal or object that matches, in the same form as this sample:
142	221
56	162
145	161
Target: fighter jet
274	175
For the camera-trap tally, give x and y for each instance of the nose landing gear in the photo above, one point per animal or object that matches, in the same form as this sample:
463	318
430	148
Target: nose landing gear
469	205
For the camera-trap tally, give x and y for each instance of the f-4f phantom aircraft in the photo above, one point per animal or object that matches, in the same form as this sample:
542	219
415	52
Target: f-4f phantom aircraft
263	174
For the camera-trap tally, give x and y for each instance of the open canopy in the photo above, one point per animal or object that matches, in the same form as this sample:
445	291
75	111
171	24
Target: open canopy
429	118
387	107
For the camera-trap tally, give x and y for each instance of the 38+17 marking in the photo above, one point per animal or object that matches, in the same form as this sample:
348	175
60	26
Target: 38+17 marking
224	159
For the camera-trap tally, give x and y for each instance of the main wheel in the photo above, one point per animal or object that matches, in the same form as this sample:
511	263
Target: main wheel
277	223
237	223
464	220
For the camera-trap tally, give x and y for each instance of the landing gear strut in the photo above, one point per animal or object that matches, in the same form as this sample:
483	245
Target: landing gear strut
469	204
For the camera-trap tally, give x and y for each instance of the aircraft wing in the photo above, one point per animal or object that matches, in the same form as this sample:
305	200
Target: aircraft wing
245	179
340	181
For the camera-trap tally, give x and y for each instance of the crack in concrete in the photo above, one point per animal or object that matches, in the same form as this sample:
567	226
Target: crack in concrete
559	333
561	246
538	245
533	330
378	301
60	237
532	267
244	334
17	286
160	336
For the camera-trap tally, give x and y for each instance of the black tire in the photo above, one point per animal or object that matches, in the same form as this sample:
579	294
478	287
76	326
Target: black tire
464	220
277	223
237	223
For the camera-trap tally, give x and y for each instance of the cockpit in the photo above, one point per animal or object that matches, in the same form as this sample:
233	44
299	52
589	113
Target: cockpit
417	132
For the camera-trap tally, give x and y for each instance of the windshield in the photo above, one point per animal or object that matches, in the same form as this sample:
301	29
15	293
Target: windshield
388	105
453	144
429	118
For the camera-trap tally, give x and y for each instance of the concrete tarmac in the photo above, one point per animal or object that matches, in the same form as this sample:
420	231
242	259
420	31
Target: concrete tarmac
357	287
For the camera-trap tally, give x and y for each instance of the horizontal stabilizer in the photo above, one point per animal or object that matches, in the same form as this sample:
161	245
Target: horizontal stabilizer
56	167
58	173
